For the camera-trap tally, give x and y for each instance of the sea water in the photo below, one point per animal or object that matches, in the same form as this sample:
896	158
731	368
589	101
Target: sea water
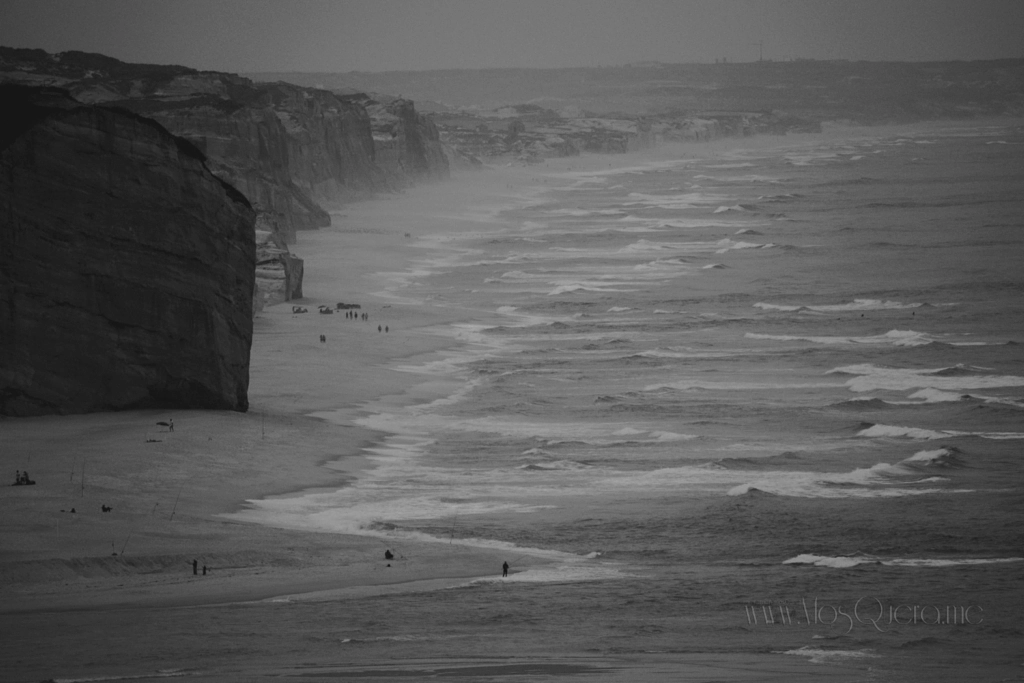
700	384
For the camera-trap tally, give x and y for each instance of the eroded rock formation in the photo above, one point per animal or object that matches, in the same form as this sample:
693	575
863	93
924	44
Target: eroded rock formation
290	150
126	266
407	144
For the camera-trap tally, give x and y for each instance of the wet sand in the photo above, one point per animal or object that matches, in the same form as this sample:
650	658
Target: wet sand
70	580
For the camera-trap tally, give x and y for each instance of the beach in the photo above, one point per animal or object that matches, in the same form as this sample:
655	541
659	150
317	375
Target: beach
677	429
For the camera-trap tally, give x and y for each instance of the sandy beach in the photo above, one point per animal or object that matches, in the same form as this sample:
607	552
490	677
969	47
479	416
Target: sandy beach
60	551
167	487
169	583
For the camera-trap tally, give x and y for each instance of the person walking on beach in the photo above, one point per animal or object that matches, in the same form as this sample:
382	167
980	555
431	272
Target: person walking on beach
195	567
504	568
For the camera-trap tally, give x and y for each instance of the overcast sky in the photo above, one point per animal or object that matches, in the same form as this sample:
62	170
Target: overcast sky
381	35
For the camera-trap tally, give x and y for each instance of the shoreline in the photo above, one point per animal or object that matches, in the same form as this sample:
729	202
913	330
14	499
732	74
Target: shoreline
170	490
654	584
167	489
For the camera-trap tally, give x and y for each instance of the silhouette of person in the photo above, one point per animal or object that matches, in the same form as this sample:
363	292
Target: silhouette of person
195	567
388	555
378	328
504	568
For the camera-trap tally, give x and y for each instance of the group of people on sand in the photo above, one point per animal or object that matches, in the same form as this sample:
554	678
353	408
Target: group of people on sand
22	479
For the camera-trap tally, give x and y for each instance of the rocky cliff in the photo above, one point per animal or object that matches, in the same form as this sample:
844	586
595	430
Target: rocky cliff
290	150
407	144
126	266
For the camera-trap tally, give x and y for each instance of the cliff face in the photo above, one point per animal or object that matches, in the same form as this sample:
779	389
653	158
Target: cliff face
407	144
330	152
287	148
278	271
126	266
247	147
290	150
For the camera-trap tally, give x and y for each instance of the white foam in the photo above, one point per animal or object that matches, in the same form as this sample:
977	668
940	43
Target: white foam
585	212
692	384
936	396
727	244
890	338
845	562
855	305
685	223
678	201
671	436
810	158
570	287
880	480
890	431
871	377
929	457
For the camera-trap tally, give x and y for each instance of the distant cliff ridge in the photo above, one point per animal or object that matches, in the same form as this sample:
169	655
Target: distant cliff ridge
126	266
814	90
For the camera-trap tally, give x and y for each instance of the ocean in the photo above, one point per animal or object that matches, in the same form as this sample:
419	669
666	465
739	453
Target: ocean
761	406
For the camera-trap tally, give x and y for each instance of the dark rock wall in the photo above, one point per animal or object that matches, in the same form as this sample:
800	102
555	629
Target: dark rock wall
330	152
407	144
126	266
278	271
246	144
290	150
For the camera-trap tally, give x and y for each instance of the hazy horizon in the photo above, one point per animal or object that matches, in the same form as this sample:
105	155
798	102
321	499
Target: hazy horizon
396	35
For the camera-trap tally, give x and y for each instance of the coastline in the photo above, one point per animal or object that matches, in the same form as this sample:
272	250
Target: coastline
296	602
168	490
172	492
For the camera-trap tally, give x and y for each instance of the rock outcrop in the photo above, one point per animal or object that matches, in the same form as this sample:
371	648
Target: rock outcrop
278	271
126	266
407	145
291	151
